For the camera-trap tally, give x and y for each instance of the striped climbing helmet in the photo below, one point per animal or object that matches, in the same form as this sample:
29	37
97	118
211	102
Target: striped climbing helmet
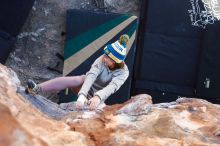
117	50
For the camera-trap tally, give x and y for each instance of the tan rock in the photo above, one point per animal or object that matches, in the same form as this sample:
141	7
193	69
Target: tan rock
137	122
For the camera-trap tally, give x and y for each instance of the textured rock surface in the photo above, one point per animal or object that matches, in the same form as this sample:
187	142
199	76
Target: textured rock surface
187	121
37	128
121	6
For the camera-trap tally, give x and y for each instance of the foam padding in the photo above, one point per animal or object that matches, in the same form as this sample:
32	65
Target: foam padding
87	34
208	81
169	49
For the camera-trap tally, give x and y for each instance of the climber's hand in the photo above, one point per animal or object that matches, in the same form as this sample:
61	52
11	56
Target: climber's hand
81	102
94	102
79	105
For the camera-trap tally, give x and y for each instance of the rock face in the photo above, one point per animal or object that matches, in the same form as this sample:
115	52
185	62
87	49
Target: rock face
137	122
122	6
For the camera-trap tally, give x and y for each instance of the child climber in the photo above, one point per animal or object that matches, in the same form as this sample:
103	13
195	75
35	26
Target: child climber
106	75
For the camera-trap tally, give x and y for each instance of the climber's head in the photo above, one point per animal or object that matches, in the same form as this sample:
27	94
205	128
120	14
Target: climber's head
116	52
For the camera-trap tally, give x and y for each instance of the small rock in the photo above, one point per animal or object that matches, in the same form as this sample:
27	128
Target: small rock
33	39
166	105
21	35
183	100
46	12
217	133
34	8
34	34
68	106
204	109
192	109
138	105
40	30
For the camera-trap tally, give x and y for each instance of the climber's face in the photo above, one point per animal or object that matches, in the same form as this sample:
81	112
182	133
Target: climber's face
108	61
